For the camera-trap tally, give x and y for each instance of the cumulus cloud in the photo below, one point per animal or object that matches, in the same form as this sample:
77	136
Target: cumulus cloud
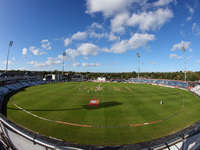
91	64
86	64
123	14
180	45
76	64
46	44
151	20
61	57
136	41
175	56
50	61
162	2
9	62
77	36
36	51
118	23
72	53
113	37
108	7
67	41
24	51
84	49
88	49
96	25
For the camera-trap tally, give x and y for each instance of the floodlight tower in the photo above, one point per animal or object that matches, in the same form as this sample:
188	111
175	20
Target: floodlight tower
64	55
10	45
183	49
138	55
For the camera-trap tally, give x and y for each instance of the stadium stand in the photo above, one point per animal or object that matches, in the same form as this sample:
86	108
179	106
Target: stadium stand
179	84
4	90
196	90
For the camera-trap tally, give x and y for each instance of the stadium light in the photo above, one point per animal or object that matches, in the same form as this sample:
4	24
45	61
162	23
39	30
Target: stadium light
183	49
64	54
10	45
138	55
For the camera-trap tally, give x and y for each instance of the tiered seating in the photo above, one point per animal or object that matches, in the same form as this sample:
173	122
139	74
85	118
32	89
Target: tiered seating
4	90
16	86
179	84
196	90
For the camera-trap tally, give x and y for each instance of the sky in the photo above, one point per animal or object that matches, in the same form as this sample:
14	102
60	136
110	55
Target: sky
100	35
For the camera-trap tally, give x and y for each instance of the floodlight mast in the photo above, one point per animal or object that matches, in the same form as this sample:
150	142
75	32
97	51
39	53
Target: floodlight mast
10	45
138	55
183	49
64	54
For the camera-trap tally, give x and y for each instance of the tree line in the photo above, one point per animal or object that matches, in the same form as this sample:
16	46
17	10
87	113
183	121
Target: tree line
191	76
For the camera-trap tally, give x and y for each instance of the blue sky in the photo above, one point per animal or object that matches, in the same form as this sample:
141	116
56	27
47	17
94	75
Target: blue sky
100	35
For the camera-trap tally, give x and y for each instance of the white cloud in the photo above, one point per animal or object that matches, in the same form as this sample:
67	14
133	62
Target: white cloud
119	11
108	7
36	51
198	61
175	56
86	57
24	51
150	20
113	37
46	44
50	61
65	57
76	64
91	64
162	2
67	41
72	53
86	64
136	41
93	34
190	9
14	58
79	36
118	22
88	49
189	18
180	45
9	62
196	29
96	26
84	50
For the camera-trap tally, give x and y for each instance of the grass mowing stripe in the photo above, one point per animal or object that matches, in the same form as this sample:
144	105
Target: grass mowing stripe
121	105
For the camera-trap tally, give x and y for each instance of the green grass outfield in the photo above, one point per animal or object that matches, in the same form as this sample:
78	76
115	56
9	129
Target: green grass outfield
121	104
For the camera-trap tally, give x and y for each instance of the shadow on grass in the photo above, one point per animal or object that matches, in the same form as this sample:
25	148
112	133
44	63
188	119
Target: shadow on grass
101	105
7	97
